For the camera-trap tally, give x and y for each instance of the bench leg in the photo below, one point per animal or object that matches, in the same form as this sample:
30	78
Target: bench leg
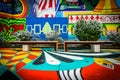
56	46
65	47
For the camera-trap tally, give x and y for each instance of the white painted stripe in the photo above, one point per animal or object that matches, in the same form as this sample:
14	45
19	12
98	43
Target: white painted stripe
61	75
47	4
68	56
88	54
53	4
78	74
51	60
66	74
72	75
113	61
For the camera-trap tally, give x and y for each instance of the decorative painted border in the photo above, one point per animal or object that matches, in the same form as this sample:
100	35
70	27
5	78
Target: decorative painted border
100	18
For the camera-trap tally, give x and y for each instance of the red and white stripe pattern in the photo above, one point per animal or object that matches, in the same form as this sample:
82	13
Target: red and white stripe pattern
45	8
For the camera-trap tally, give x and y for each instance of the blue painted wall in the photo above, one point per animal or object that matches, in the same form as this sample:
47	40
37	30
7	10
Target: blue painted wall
36	26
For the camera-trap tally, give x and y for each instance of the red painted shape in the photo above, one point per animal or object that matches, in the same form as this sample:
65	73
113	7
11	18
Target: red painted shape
77	17
15	27
46	15
92	17
6	57
86	17
16	60
97	17
10	52
97	72
26	74
20	65
71	18
32	56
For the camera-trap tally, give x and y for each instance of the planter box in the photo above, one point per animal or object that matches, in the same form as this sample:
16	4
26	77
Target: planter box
95	47
26	47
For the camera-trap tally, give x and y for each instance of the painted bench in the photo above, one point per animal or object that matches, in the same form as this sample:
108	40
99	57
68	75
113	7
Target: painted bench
94	44
26	44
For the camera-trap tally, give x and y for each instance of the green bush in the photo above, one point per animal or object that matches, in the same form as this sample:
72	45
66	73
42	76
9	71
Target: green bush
88	30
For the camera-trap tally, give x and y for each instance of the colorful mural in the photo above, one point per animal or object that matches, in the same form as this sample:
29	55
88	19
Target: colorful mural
72	10
42	16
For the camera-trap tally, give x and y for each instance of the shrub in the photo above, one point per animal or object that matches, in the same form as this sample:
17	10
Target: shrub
24	36
54	36
88	31
114	36
2	40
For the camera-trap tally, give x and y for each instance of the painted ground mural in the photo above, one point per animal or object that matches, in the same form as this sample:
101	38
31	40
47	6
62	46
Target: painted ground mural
40	65
42	16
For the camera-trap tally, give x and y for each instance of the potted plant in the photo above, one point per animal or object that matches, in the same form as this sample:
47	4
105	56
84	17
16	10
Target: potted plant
88	31
24	36
53	36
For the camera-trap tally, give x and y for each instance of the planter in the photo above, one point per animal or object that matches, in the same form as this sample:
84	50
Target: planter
26	47
95	47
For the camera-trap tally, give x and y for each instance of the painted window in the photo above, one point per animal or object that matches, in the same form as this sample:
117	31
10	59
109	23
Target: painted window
56	27
37	29
29	28
64	28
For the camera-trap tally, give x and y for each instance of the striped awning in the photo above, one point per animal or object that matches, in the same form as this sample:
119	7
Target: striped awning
107	6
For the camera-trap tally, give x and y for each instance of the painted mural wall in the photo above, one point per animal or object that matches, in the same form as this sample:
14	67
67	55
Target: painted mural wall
59	15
